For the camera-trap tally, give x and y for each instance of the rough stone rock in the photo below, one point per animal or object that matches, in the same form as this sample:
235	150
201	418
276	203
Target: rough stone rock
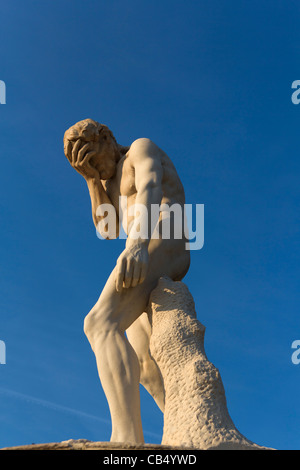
196	413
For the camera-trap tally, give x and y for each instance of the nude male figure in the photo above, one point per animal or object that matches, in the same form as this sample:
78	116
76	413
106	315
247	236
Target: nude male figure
145	175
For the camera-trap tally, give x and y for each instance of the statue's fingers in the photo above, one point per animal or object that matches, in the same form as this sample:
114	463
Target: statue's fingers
120	272
68	150
75	150
128	273
143	272
136	275
82	152
88	155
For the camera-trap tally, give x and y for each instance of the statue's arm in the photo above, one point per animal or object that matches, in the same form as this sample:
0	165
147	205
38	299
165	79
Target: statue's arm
98	198
146	161
79	157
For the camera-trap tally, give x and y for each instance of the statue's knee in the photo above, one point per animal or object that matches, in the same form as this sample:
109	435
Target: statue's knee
93	323
97	326
88	324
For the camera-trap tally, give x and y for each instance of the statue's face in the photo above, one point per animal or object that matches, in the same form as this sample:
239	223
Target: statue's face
100	140
105	159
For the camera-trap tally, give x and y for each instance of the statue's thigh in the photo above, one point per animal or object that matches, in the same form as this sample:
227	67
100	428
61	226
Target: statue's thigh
122	308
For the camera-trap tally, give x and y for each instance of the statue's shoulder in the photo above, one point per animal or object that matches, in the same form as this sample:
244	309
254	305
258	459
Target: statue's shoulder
142	142
144	147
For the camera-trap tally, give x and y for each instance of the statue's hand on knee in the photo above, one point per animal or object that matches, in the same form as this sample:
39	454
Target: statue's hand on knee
132	266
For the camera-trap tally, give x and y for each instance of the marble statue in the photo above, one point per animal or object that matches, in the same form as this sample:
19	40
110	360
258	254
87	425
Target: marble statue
143	329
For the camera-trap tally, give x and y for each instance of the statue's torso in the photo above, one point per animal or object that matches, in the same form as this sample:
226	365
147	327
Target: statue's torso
124	184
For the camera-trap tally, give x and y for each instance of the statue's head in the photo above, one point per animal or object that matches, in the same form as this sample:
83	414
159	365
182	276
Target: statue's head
100	139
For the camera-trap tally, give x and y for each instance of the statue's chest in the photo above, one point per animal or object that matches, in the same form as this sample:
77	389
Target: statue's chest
125	178
123	184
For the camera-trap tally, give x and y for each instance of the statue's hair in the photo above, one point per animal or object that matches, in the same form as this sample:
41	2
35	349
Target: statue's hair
87	130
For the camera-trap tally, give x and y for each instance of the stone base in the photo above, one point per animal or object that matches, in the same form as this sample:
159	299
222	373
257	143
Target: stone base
84	444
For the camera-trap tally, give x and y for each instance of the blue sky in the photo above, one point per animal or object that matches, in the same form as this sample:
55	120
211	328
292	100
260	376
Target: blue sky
210	83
